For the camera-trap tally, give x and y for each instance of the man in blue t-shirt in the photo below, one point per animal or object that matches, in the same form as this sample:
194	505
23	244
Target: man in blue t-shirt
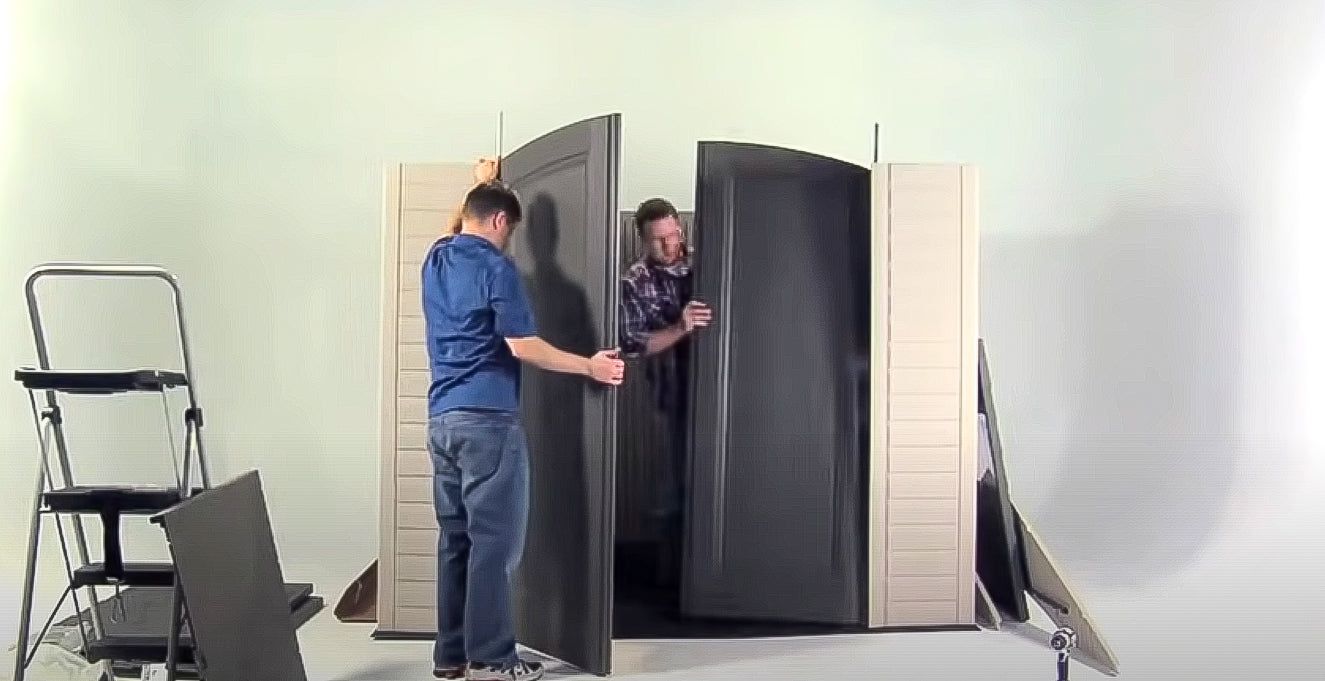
479	329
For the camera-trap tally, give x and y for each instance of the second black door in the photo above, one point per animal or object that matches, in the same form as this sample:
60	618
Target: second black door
775	528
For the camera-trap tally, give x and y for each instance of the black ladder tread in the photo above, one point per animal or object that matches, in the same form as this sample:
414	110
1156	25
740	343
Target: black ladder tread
144	648
133	574
100	382
140	635
120	498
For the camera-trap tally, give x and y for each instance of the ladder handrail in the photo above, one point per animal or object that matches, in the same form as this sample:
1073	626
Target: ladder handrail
101	270
86	269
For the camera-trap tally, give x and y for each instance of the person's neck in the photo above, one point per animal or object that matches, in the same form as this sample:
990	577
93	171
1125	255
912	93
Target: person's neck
484	234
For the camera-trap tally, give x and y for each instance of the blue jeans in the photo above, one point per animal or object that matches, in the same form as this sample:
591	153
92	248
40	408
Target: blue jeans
481	494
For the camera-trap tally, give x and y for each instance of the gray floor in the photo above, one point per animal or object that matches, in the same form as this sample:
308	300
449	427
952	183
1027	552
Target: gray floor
1204	627
1234	618
339	652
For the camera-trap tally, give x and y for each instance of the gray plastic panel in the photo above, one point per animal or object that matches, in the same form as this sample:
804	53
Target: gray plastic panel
775	527
225	555
567	252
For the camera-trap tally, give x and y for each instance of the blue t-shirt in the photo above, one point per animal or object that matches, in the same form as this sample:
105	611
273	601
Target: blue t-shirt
473	299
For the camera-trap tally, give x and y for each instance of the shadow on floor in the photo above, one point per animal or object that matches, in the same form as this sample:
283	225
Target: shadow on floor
647	609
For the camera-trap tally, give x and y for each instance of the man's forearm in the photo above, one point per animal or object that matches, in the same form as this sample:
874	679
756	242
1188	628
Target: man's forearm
457	220
544	355
662	339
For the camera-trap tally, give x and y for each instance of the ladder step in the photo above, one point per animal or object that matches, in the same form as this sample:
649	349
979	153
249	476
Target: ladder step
140	634
132	499
100	382
134	574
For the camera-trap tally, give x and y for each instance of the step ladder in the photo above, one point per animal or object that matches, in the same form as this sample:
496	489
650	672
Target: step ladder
58	496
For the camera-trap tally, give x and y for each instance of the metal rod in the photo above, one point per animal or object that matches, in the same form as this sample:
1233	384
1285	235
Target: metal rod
30	576
59	531
80	534
185	483
54	425
876	142
170	441
172	639
52	401
50	619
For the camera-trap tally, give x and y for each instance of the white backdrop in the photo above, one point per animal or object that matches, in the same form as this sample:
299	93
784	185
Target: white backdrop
1150	278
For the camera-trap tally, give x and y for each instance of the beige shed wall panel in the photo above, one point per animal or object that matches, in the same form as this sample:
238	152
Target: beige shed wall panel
416	618
417	542
413	462
416	568
922	396
421	200
414	489
413	383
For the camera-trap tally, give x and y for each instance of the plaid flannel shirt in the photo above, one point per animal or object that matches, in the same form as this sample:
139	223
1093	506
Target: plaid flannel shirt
652	299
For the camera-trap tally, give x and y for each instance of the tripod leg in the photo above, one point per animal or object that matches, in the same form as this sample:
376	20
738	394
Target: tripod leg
1064	661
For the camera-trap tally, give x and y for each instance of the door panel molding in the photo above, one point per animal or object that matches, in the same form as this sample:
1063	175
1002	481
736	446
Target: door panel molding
722	429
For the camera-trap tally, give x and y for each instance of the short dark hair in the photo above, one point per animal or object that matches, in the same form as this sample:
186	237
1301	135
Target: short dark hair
490	198
651	210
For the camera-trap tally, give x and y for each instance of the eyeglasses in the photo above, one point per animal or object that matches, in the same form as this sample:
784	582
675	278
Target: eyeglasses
677	237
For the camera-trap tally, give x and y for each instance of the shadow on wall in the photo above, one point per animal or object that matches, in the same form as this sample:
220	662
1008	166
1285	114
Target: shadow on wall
553	407
1152	381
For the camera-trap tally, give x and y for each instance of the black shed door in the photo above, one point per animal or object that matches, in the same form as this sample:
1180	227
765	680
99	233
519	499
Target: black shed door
567	252
775	528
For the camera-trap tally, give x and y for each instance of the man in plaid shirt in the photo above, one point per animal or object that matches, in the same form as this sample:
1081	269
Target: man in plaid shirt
657	318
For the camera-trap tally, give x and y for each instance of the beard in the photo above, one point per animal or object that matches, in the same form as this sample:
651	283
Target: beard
679	267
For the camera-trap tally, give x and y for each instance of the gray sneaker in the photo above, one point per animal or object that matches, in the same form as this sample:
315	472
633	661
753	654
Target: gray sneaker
520	671
450	673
